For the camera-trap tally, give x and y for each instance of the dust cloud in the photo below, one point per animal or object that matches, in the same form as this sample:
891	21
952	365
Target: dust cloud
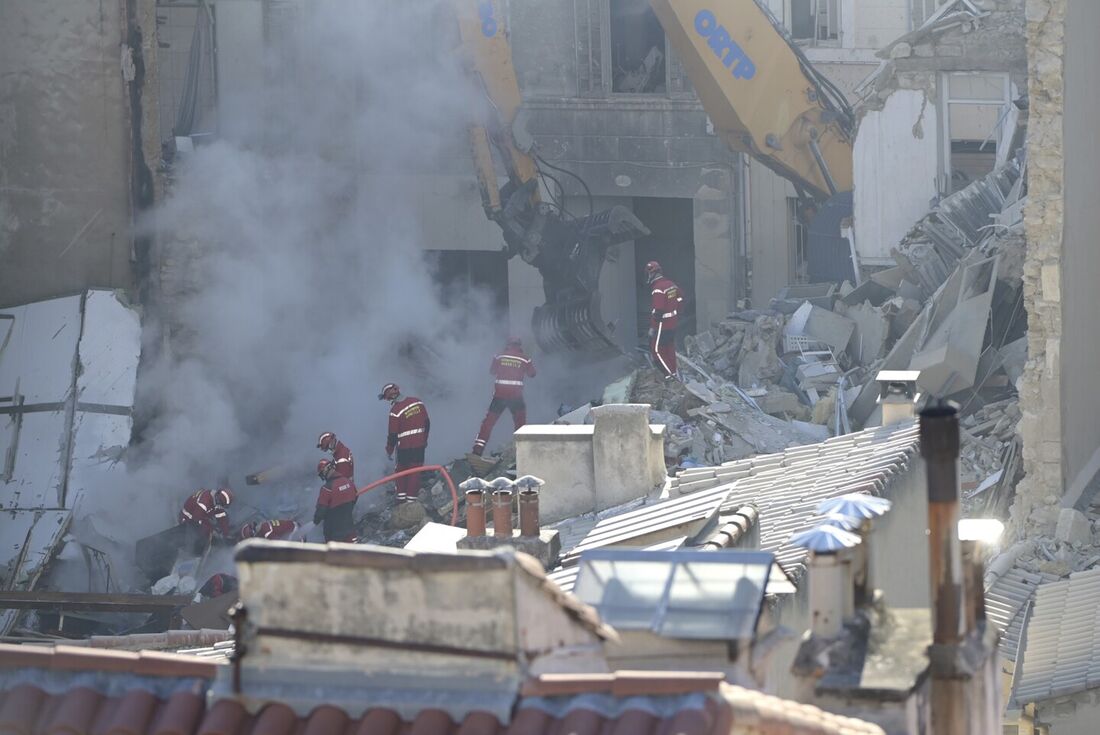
305	287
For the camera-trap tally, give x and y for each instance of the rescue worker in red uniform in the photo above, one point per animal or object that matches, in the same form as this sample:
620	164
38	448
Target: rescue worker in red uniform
335	503
345	463
408	434
275	530
218	585
666	301
509	369
206	512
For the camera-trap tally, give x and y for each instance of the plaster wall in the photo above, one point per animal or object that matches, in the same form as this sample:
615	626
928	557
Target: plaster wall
65	148
896	164
1080	353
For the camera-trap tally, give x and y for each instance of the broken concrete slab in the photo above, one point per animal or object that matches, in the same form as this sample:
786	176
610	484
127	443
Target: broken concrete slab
949	359
1014	356
869	337
822	326
1073	528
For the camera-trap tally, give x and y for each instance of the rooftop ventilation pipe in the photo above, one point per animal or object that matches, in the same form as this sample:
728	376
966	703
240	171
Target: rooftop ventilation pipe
529	505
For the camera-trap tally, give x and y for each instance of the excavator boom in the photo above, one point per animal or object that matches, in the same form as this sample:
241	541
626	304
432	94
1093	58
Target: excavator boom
763	96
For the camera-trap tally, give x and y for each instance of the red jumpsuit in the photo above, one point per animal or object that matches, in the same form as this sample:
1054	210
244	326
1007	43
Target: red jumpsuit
666	300
408	434
335	503
203	513
509	369
345	463
276	529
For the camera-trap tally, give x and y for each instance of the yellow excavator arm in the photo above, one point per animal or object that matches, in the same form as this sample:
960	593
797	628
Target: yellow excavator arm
568	250
761	93
487	56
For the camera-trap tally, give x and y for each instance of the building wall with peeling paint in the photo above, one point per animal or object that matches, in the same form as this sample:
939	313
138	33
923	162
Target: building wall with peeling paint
66	146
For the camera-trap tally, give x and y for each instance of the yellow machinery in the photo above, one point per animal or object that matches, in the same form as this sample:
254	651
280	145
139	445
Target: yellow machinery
568	251
763	96
765	99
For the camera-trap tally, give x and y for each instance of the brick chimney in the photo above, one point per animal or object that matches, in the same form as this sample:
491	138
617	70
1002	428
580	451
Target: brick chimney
529	486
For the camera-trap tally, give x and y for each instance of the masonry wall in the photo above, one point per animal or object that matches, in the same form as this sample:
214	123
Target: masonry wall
67	157
1039	493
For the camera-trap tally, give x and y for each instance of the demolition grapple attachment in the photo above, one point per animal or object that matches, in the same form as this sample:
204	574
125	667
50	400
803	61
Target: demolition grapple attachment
574	326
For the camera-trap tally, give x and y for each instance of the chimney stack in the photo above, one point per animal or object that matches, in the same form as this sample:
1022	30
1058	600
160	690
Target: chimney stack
529	505
939	445
977	536
952	678
475	506
502	507
830	572
898	395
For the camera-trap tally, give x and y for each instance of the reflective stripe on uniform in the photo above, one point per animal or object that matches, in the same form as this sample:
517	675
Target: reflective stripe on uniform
410	432
509	382
670	314
187	514
657	350
512	357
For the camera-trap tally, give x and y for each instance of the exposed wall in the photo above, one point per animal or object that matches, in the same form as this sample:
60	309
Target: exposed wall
895	167
1075	715
623	145
768	233
67	148
1081	257
1038	494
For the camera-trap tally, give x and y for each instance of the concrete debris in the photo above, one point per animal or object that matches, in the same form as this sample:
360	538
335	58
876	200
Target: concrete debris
1073	528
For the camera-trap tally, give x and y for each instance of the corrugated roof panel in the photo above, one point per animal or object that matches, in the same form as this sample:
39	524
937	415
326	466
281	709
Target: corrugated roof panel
1061	654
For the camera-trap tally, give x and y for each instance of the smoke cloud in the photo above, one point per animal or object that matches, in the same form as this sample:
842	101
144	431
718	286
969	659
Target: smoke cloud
294	282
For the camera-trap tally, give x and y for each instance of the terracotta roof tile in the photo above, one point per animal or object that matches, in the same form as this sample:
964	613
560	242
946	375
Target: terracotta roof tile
74	658
180	715
20	709
27	710
622	683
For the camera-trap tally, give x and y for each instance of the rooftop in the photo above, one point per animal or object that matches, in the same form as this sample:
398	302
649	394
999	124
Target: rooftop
1060	644
53	690
788	486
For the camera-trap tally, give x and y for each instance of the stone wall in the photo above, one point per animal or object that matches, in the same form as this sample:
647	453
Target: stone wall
1039	494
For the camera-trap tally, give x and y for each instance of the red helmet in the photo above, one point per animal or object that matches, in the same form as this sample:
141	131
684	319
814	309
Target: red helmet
223	496
390	392
325	468
515	341
326	442
652	269
248	530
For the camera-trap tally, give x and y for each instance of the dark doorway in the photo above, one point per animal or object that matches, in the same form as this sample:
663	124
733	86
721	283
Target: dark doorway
637	48
471	279
672	244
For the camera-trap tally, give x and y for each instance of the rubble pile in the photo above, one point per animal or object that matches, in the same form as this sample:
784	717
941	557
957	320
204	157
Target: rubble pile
806	367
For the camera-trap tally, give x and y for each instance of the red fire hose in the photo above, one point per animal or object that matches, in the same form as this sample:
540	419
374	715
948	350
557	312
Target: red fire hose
417	470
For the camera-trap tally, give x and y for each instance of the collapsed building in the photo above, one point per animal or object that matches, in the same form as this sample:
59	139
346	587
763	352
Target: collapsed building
989	233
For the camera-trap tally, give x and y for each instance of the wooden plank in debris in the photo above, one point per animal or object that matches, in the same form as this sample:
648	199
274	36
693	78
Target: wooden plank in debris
90	601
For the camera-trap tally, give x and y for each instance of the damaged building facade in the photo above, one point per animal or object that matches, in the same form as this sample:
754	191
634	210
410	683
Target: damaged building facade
78	145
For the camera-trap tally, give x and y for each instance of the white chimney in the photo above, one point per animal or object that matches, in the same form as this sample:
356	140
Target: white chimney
898	395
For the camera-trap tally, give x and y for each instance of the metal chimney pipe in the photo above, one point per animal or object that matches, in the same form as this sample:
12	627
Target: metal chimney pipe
974	572
475	512
529	512
939	445
502	513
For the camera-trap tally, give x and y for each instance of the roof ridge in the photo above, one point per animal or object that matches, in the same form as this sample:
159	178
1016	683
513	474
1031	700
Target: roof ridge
79	658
